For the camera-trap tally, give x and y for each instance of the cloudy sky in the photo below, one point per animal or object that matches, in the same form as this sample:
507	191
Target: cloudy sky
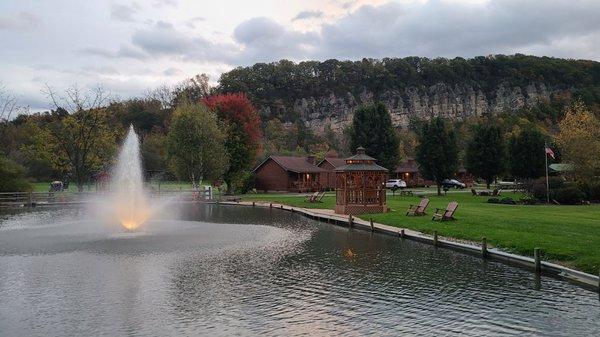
131	46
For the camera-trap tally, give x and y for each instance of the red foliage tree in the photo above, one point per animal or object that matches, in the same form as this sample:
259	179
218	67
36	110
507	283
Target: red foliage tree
244	132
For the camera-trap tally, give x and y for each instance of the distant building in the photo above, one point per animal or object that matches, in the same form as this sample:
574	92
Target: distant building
287	173
329	163
408	170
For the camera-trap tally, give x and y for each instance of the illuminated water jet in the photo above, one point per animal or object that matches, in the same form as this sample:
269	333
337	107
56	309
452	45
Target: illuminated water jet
129	199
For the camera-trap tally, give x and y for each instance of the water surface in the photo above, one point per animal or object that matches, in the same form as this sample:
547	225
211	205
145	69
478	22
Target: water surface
224	270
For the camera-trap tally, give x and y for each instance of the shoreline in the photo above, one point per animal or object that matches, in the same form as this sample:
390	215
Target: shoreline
585	280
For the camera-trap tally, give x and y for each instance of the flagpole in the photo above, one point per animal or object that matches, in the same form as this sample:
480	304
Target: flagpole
547	184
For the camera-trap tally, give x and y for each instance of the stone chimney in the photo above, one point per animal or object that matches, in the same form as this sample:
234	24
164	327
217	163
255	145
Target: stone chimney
311	159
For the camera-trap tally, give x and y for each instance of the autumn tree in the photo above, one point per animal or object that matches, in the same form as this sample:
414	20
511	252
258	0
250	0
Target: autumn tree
486	152
372	129
243	132
196	144
579	140
437	153
526	153
78	141
191	90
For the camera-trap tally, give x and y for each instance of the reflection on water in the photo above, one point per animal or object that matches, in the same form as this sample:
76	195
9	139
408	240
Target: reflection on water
245	271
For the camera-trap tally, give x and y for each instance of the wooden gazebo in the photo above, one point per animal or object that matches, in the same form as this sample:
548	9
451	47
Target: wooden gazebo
360	185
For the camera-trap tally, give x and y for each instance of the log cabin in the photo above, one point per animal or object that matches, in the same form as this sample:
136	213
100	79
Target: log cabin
291	174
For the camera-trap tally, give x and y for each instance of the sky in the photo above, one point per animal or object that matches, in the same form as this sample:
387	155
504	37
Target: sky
129	47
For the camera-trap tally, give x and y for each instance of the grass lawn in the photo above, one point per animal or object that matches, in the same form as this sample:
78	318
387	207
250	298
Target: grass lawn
569	235
164	186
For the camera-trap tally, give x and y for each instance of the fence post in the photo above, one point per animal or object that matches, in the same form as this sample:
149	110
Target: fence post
253	204
536	256
350	220
484	247
402	233
372	227
435	238
270	205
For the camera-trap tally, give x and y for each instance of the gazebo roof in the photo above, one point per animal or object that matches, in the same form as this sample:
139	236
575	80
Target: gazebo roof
360	162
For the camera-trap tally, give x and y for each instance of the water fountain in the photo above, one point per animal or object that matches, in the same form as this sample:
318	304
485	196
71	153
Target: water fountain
129	200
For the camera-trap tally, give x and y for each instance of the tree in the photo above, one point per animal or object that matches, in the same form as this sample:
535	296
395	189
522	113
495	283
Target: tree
437	153
579	140
526	153
486	152
12	176
196	144
243	132
78	140
191	90
372	129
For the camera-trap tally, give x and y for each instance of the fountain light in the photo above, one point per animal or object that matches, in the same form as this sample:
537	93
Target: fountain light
129	199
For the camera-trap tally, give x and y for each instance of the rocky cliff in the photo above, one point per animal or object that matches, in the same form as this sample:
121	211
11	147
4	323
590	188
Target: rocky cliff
451	101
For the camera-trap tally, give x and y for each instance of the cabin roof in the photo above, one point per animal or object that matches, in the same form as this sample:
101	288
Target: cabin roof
408	165
293	164
334	161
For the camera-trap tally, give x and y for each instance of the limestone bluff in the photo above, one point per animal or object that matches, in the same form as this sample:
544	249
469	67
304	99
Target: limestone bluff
453	101
321	93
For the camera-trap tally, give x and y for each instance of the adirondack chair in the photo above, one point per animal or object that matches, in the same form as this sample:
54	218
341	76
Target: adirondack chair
312	197
319	198
418	209
445	214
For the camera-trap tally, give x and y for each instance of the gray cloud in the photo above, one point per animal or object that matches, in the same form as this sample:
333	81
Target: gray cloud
123	12
172	72
309	14
438	28
191	23
21	21
161	38
264	40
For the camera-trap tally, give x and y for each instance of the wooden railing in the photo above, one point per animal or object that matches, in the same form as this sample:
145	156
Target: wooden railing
369	196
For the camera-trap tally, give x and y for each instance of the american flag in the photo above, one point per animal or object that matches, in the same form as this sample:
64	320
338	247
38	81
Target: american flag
549	152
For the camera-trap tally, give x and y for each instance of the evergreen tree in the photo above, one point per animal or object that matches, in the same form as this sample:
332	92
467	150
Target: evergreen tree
486	152
437	152
527	154
372	129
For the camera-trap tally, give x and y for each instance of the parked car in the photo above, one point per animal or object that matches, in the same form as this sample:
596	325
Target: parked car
453	183
395	184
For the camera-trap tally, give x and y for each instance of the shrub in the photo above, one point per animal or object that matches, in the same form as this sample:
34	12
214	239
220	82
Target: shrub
570	195
591	190
244	183
12	176
538	186
507	201
529	200
493	201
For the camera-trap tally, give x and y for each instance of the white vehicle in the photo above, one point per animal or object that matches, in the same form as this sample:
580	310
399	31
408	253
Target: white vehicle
395	183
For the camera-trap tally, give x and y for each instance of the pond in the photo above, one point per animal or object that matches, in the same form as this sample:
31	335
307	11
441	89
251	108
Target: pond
227	270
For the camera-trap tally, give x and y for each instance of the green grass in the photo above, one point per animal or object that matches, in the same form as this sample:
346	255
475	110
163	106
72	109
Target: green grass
569	235
164	186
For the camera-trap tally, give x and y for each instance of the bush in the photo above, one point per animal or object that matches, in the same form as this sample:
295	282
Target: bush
12	177
493	201
507	201
529	200
591	190
570	195
244	183
538	186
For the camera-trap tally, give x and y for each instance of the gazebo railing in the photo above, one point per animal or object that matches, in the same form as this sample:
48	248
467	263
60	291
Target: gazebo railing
369	196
